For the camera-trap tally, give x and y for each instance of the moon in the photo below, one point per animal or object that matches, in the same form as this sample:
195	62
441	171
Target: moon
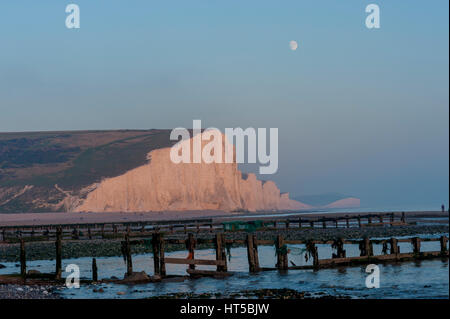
293	45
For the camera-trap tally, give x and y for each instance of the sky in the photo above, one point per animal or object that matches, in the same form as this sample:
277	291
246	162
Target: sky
360	111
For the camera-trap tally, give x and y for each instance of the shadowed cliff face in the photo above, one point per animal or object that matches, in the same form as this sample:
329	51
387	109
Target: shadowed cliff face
163	185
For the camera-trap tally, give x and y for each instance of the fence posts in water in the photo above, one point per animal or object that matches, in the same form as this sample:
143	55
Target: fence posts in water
220	252
282	255
23	261
94	270
443	240
252	253
416	245
58	245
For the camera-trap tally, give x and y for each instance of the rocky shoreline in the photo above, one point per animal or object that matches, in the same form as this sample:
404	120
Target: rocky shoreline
13	291
282	293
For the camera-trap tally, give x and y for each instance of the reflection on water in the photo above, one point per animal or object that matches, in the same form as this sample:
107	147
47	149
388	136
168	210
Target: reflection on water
417	279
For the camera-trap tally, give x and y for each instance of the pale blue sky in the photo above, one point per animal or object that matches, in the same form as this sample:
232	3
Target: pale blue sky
361	112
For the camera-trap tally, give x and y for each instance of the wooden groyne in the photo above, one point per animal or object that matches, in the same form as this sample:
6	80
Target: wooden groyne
390	253
12	234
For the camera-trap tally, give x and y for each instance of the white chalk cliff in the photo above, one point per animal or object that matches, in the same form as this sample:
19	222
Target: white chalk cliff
163	185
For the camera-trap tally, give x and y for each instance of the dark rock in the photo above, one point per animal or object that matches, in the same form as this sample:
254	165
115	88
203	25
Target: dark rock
136	277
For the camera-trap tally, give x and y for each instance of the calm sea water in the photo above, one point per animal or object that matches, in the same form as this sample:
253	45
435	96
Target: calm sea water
419	279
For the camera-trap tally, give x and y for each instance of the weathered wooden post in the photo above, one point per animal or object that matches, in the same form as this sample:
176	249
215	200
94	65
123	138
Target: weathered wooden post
190	245
282	255
311	224
23	260
381	218
74	233
403	218
395	249
416	245
340	251
211	228
324	224
359	221
220	252
156	244
369	219
347	221
443	240
114	228
89	233
3	235
366	247
58	245
287	224
198	227
252	253
314	252
162	263
299	222
185	228
103	231
94	270
392	216
128	255
385	247
336	222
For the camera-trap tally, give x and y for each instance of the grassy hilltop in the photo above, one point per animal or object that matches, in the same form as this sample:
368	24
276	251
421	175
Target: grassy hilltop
70	160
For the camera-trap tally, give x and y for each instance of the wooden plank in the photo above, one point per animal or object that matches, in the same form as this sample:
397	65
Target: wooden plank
185	261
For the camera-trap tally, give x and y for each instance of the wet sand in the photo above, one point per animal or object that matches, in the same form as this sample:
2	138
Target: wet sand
82	218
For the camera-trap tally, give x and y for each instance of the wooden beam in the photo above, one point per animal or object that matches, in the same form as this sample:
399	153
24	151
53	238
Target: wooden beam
185	261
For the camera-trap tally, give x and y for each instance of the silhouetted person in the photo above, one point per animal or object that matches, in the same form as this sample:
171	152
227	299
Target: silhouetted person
443	207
